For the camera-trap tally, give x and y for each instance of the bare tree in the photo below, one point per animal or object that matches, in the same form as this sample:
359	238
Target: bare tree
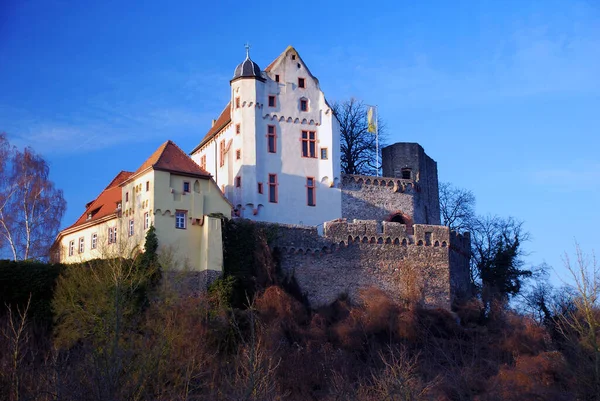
580	324
358	145
31	207
457	206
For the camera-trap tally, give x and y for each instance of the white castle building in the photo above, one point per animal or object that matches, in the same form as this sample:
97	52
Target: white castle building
275	149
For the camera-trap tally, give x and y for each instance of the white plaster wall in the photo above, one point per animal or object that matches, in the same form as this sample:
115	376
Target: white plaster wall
254	117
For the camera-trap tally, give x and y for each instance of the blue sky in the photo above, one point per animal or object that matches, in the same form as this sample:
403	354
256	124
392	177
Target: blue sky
505	96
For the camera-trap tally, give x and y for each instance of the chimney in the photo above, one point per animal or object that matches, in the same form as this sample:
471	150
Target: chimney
213	123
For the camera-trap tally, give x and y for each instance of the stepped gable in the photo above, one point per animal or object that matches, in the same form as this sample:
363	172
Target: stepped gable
225	117
169	157
106	203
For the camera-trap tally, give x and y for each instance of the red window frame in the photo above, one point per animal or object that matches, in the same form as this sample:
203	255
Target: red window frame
303	105
271	139
237	102
309	144
222	153
311	191
238	154
203	162
238	128
273	184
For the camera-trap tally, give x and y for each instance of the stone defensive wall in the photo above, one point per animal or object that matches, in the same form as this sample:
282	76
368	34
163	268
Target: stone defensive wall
430	266
378	198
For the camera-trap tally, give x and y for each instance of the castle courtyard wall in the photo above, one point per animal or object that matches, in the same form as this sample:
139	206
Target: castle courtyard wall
429	266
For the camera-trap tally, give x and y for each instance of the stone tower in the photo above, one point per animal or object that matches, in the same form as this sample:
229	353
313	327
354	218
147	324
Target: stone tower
408	161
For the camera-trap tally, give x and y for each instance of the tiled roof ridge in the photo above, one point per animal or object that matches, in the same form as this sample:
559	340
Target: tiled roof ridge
120	177
220	123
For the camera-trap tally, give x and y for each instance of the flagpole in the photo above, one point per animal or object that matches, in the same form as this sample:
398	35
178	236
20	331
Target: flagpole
377	140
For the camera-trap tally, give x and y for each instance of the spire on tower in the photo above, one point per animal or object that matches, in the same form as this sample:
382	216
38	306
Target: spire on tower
247	46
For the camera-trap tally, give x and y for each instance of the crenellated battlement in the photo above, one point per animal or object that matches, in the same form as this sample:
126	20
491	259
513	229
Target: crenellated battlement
397	185
341	233
357	253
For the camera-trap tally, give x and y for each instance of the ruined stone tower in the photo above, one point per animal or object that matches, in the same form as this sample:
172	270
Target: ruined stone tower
407	193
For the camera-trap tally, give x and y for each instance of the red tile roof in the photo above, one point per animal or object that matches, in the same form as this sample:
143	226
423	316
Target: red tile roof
106	203
170	157
222	121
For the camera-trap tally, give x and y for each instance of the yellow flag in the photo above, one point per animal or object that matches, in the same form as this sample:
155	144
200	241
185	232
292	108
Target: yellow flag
371	120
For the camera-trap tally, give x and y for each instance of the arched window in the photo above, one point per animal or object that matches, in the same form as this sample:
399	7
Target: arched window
397	218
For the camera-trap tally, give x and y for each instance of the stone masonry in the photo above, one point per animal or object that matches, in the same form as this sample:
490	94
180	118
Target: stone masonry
431	265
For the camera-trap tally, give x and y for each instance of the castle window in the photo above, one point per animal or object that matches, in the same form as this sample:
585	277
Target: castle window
309	144
238	128
276	77
186	187
222	153
71	248
237	102
238	154
301	83
311	198
94	240
203	162
131	228
126	196
260	187
146	220
303	105
273	196
238	182
406	173
180	217
293	57
271	139
272	101
81	245
112	235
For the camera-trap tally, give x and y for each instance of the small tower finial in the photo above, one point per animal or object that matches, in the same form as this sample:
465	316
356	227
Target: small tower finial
247	46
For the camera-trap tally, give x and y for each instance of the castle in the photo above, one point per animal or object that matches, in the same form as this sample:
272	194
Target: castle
273	156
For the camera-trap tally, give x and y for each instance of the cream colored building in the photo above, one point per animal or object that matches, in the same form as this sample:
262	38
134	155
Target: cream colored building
169	191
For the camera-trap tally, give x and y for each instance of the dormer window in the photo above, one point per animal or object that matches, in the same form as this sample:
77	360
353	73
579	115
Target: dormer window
89	216
301	83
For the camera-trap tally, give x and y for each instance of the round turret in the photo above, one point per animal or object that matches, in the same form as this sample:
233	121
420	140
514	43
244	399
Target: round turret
247	69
